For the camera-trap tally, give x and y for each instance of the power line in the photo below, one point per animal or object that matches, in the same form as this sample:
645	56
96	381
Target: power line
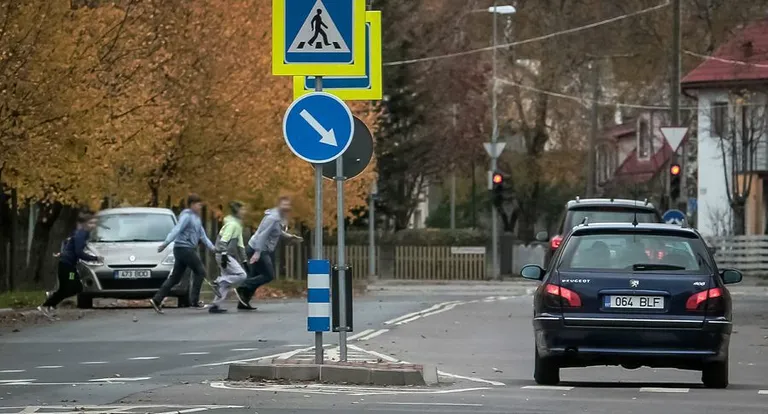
530	40
718	59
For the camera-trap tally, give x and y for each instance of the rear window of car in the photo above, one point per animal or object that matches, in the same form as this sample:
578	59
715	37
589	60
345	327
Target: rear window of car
609	214
133	227
634	252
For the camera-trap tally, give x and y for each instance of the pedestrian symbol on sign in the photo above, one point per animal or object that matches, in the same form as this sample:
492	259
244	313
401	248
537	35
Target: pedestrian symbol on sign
319	33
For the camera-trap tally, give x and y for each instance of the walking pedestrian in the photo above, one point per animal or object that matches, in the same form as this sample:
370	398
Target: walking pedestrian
185	236
261	251
72	250
230	255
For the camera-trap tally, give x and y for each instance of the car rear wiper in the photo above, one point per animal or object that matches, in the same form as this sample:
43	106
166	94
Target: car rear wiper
655	266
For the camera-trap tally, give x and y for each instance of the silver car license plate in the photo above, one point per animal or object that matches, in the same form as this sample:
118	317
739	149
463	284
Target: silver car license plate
133	274
634	302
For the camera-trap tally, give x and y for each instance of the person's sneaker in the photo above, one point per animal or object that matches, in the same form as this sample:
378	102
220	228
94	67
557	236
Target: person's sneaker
240	299
214	287
45	311
199	305
245	307
216	309
156	307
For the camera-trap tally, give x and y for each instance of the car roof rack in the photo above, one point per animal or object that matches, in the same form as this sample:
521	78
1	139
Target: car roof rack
585	221
645	202
577	199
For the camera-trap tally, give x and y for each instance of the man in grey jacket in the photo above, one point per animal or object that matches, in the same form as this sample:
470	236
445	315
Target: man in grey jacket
261	250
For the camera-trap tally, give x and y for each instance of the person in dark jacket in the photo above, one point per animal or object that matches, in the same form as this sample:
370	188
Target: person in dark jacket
72	251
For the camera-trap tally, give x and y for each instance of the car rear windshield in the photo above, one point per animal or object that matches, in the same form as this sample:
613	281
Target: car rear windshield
137	227
609	214
635	252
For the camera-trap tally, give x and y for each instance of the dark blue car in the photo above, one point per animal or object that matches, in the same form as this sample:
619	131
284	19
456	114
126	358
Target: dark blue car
632	295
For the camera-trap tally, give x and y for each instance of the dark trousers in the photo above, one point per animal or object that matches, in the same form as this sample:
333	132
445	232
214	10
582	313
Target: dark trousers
259	274
69	285
185	258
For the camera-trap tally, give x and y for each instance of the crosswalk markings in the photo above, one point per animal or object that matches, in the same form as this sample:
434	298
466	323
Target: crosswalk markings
763	392
194	353
144	358
49	367
11	371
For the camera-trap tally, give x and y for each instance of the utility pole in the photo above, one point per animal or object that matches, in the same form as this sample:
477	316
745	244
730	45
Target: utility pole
675	96
592	145
494	139
453	174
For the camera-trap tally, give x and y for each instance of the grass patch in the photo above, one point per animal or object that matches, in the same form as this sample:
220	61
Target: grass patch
21	299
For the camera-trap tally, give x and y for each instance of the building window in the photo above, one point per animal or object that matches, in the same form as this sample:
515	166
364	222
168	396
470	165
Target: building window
719	119
643	139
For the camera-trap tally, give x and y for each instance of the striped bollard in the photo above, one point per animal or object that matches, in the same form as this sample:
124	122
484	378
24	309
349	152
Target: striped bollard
319	296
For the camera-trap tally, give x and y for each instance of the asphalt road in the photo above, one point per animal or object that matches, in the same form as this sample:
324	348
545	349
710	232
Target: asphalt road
479	337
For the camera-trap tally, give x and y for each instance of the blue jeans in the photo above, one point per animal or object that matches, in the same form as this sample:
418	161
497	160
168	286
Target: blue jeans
259	274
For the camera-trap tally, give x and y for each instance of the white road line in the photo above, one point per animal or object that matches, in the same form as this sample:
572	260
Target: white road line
762	392
94	363
429	404
242	361
194	353
373	335
547	387
49	366
374	353
361	334
444	309
665	390
295	345
118	379
142	358
323	389
489	299
244	349
11	371
410	315
16	380
484	381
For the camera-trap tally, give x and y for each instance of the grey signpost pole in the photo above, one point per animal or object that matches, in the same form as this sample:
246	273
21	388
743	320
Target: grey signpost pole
318	250
372	232
341	260
494	138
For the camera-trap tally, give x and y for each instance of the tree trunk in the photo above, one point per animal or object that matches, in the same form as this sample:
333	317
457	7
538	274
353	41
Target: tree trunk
13	240
739	218
40	252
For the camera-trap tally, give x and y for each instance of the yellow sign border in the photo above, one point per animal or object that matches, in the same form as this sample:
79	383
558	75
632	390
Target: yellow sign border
279	67
376	90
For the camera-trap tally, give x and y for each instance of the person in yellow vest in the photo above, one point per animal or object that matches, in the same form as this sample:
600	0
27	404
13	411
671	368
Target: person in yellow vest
230	256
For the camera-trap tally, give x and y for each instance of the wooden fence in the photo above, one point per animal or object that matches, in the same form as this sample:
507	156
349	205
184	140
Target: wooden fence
749	254
397	262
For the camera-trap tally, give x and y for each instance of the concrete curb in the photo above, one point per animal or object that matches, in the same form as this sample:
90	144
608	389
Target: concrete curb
337	373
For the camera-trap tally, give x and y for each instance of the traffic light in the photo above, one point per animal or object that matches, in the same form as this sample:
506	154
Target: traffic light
497	188
675	171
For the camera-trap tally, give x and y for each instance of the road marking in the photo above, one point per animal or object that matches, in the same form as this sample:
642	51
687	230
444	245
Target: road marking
361	334
295	346
244	349
49	367
194	353
142	358
116	379
384	357
12	371
410	315
429	404
323	389
94	363
665	390
489	299
122	408
373	335
444	309
762	392
484	381
242	361
16	380
547	387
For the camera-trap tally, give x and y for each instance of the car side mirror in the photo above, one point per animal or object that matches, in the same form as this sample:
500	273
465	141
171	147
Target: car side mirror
542	236
731	276
532	272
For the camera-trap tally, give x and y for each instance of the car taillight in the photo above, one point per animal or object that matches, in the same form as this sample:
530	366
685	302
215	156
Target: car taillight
699	300
569	298
555	242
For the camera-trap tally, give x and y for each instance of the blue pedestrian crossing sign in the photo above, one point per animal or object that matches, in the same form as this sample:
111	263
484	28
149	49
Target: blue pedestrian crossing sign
353	88
318	37
674	217
318	127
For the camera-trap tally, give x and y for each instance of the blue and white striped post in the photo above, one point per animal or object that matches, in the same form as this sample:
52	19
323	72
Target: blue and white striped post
319	299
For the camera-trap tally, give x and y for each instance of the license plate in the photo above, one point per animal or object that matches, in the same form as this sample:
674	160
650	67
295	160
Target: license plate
634	302
133	274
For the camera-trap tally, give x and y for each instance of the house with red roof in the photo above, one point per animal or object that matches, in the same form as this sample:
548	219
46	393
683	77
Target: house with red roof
731	90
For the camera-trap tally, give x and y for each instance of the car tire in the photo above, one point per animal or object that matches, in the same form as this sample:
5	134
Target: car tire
84	302
545	371
183	301
715	375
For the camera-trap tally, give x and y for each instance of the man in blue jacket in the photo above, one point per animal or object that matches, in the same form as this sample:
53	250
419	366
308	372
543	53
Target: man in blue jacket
185	236
72	250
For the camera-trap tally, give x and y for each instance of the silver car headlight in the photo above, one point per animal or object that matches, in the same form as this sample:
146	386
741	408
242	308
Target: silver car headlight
169	260
94	263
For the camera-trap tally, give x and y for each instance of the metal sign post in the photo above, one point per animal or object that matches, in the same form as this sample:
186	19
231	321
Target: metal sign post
340	262
318	250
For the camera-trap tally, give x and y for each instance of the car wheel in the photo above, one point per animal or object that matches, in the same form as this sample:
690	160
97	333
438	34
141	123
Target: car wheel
84	302
546	371
183	301
715	375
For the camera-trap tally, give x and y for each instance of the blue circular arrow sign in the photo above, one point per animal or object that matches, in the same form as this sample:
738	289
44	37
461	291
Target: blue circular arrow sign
673	217
318	127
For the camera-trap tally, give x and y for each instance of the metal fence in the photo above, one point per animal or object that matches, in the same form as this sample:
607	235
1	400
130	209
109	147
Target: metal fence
749	254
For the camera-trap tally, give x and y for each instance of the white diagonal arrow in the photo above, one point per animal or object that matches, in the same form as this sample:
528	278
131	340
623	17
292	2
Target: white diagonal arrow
327	137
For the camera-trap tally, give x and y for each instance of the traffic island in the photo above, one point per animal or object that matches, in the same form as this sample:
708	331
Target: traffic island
342	373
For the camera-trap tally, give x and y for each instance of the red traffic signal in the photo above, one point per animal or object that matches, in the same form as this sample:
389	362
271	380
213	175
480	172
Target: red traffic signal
497	178
675	169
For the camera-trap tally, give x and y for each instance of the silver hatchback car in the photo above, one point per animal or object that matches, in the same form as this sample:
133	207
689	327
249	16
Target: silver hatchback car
127	239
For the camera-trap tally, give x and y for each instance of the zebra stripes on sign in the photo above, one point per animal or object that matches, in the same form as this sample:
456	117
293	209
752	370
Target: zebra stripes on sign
319	296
